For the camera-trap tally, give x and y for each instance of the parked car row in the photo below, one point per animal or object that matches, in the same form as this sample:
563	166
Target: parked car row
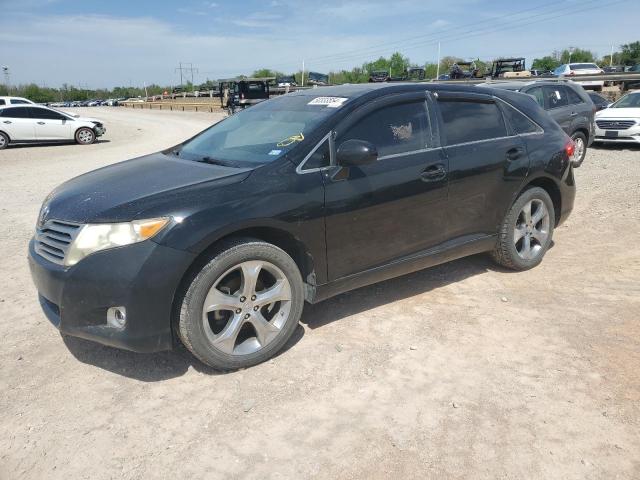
111	102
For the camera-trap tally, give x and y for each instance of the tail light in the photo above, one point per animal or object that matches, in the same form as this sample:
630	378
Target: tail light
570	148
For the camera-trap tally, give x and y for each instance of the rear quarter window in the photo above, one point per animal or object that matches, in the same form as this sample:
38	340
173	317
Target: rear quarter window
520	123
573	96
469	121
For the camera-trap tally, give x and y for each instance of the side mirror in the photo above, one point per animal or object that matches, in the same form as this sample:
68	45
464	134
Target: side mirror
353	153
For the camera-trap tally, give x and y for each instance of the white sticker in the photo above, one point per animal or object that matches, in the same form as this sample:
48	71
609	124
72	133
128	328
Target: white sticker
275	152
331	102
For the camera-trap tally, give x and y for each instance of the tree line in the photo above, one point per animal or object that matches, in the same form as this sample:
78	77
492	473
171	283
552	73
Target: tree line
396	65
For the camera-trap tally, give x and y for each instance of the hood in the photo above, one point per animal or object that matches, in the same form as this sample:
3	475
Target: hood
618	113
149	185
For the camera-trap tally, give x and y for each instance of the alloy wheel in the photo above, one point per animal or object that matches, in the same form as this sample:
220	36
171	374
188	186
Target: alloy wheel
531	230
246	307
85	136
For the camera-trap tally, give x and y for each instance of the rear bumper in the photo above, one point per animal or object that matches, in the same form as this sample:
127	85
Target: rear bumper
142	277
590	83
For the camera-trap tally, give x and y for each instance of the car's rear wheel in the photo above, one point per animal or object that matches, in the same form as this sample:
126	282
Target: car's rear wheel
242	306
580	148
85	136
526	231
4	140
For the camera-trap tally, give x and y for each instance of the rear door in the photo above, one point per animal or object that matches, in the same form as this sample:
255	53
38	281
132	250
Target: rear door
50	125
557	105
395	207
486	163
17	123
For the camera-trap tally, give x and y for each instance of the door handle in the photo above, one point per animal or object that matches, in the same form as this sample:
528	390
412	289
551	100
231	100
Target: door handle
515	153
433	173
7	121
40	123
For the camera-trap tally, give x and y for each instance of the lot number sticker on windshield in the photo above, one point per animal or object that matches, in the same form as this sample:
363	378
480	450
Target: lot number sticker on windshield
331	102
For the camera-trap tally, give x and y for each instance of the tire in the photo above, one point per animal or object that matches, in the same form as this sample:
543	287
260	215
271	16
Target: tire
231	332
4	140
85	136
580	141
511	248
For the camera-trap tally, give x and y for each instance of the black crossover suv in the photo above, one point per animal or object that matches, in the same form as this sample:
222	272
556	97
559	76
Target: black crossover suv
219	241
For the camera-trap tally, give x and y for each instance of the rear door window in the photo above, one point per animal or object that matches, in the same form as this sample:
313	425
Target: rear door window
395	129
471	121
555	96
16	101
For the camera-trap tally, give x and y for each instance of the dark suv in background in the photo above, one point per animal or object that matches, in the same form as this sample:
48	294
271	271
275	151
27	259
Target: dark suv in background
567	103
219	241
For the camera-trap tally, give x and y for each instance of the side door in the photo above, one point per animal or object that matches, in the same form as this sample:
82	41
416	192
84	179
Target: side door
17	123
487	163
51	125
396	206
580	111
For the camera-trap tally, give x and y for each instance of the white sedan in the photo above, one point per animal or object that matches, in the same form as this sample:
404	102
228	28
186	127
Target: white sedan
620	122
33	123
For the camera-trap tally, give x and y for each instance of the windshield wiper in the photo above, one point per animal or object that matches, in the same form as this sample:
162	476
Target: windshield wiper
212	161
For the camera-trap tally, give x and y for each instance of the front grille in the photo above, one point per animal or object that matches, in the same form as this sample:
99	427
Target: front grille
53	239
615	124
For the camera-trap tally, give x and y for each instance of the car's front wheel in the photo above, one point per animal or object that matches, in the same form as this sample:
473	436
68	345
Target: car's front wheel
580	148
242	306
85	136
526	231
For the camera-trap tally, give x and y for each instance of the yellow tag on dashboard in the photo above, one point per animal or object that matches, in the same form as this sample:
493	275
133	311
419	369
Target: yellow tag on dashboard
290	140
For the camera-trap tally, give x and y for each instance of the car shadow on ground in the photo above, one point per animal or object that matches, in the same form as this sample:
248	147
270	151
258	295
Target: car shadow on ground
155	367
49	144
633	147
399	288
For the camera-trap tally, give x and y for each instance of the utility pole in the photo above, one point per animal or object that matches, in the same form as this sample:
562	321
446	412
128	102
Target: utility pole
438	64
186	70
7	80
570	53
611	57
303	72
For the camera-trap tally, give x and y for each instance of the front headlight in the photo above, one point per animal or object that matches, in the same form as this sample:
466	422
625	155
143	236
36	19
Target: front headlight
100	236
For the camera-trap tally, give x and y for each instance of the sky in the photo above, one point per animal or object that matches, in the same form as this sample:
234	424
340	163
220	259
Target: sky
94	44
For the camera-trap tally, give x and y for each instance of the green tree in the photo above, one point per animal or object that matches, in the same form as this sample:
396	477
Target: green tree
578	55
545	63
630	53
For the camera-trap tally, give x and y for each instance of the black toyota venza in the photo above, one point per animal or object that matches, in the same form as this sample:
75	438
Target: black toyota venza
219	241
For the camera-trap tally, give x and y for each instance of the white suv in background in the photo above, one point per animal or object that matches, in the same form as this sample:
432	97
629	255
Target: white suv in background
575	69
620	123
14	101
32	123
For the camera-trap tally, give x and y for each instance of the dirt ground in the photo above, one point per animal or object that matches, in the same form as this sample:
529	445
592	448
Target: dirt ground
460	371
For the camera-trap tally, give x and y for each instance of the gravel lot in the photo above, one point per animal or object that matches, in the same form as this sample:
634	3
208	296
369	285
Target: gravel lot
460	371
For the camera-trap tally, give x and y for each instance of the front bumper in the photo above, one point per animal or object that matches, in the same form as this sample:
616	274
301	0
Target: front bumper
142	277
99	131
628	135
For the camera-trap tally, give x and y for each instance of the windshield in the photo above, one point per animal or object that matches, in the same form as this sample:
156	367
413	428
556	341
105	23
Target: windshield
628	101
262	133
